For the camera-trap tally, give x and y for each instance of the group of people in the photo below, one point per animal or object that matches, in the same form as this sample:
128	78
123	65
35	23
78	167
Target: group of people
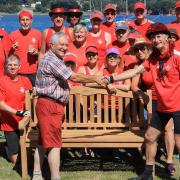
133	55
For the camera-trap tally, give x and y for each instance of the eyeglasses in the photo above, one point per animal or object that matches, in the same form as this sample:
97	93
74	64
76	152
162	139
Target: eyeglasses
161	72
112	56
89	54
141	11
74	15
140	48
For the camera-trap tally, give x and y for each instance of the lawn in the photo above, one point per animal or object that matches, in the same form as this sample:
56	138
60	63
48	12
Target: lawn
76	167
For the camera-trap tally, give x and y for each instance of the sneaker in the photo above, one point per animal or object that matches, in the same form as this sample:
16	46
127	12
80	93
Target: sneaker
143	176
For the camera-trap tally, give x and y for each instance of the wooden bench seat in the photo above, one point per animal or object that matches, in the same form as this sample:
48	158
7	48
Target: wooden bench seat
120	121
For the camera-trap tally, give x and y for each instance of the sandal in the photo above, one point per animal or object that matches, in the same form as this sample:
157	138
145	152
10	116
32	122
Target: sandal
171	169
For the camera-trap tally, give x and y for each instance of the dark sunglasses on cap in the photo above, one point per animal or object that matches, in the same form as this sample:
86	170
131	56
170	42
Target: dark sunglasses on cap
110	13
140	48
89	54
77	15
109	56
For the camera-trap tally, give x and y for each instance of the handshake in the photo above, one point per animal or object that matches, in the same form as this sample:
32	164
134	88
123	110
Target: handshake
105	80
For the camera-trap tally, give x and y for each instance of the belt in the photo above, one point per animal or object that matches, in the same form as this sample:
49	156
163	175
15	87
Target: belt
47	97
51	98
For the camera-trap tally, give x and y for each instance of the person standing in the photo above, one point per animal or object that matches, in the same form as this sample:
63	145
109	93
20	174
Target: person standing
53	91
26	43
74	16
165	67
5	46
57	15
109	24
12	101
141	22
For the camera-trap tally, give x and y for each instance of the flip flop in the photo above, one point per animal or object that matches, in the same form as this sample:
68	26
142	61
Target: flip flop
171	169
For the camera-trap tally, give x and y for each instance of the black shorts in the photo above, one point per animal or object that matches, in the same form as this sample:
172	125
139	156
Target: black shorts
160	119
12	140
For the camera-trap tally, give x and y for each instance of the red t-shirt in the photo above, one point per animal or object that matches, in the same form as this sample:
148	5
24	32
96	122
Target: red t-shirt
147	83
100	42
142	28
13	94
28	62
50	32
79	53
167	86
5	46
110	29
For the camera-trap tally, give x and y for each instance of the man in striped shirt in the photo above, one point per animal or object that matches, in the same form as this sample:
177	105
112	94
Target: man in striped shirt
53	92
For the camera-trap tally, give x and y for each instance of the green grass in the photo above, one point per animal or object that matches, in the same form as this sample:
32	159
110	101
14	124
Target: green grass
75	168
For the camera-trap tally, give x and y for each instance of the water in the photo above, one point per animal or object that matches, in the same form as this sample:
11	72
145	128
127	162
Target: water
40	22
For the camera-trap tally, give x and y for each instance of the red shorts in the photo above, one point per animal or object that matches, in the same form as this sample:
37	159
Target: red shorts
50	114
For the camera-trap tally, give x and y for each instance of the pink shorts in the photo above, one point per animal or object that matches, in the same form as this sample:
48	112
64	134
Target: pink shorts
50	114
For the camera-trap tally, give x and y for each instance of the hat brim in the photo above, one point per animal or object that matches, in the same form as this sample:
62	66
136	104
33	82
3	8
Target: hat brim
131	49
51	13
157	32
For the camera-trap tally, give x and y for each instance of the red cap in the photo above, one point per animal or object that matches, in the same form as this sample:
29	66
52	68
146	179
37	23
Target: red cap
92	49
109	6
97	15
70	57
139	5
25	13
177	5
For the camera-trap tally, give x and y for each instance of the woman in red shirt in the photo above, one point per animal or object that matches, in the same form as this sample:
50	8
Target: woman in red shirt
140	83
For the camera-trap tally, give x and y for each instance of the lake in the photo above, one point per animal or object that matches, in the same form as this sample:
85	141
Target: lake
40	22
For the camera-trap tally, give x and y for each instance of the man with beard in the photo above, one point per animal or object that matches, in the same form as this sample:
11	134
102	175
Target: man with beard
26	43
165	67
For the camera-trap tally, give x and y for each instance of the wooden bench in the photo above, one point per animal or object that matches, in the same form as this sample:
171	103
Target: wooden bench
121	124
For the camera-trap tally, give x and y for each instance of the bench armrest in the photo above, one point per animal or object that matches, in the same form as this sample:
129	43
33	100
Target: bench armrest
24	122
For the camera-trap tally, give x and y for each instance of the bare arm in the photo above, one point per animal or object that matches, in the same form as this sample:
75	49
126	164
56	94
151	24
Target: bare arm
129	73
7	108
76	77
124	87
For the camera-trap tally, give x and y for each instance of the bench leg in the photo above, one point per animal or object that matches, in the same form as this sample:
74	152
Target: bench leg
23	157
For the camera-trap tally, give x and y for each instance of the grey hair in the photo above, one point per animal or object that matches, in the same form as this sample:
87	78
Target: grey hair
12	58
79	26
56	36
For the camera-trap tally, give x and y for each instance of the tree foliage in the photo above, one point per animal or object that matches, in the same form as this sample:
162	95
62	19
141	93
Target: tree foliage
156	6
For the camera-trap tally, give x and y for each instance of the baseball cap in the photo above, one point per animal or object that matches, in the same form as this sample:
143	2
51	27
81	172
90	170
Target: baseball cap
121	25
96	15
112	50
92	49
56	8
109	6
70	58
139	5
177	5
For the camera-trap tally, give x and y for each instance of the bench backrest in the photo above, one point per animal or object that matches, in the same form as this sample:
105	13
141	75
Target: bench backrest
122	110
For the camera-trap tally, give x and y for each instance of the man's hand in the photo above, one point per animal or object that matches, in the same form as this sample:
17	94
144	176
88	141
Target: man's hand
23	113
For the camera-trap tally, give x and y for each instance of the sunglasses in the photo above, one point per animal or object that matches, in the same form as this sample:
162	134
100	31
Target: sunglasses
74	15
161	73
90	54
112	56
120	31
141	11
110	13
140	48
